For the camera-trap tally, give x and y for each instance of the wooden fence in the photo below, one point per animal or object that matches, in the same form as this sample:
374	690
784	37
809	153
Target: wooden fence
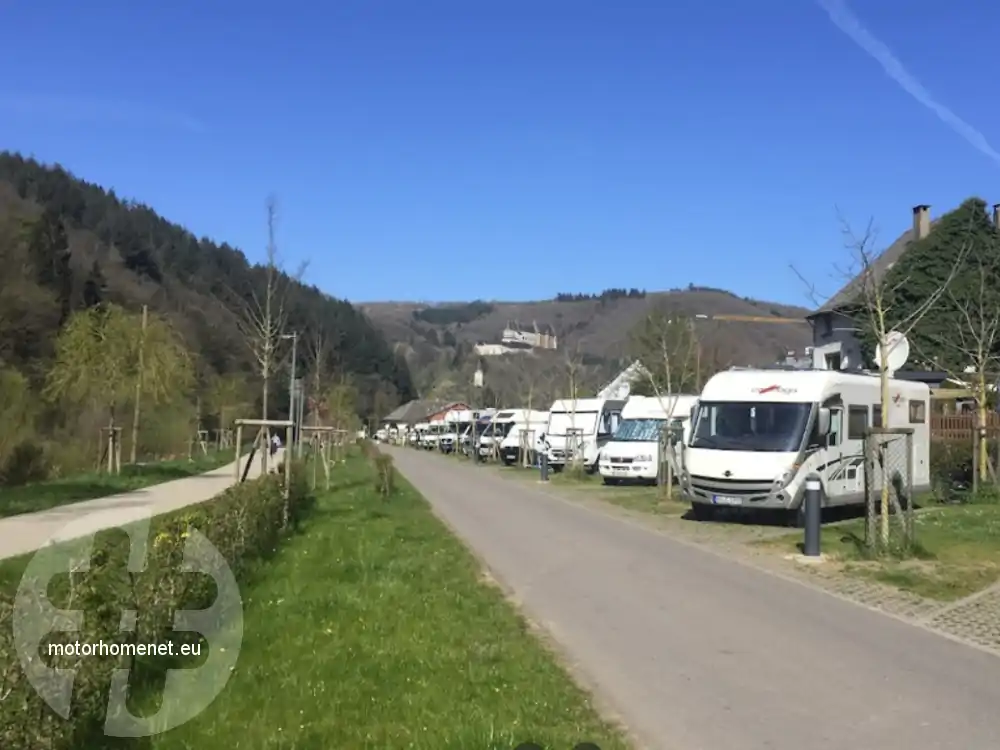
960	426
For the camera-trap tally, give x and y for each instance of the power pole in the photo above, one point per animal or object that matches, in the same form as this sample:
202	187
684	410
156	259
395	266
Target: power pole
138	386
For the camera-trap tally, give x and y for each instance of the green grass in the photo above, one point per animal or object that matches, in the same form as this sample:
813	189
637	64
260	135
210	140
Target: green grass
373	629
31	498
642	498
959	552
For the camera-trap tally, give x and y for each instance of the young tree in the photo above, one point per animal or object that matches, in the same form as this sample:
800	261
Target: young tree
16	412
962	337
264	319
668	349
884	301
104	358
574	374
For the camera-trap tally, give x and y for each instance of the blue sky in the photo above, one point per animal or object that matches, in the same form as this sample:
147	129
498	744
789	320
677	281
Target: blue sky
445	149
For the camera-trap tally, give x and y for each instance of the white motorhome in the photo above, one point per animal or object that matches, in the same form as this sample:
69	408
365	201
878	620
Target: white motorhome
757	434
522	429
633	454
527	433
456	422
579	428
430	437
496	431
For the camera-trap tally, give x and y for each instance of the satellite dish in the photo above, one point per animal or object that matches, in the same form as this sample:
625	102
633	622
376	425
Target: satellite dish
897	351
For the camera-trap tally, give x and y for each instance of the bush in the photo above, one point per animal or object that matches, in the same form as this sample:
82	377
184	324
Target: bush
244	523
385	475
950	467
28	462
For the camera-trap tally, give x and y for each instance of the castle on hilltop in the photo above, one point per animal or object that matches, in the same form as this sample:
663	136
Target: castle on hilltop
517	338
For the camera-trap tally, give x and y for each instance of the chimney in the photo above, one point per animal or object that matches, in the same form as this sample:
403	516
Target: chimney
921	221
996	215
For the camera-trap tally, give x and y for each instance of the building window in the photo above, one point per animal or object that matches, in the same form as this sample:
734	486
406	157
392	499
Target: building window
918	412
825	326
857	422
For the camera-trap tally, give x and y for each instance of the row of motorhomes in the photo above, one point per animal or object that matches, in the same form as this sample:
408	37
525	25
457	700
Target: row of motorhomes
748	440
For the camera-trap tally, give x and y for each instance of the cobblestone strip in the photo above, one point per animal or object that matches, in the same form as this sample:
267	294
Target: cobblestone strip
976	618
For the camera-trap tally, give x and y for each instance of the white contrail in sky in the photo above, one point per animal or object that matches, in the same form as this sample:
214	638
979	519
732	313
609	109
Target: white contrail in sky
846	21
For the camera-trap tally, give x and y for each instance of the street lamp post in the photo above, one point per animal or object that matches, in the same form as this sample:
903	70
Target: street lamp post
294	336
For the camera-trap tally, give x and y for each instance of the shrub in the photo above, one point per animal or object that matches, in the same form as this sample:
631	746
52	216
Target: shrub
244	523
385	475
28	462
950	467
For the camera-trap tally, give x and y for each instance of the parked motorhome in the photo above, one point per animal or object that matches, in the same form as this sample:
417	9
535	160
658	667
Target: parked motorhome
633	454
496	431
456	422
757	434
527	432
579	428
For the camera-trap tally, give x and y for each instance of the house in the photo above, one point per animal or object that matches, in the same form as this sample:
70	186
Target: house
421	410
835	342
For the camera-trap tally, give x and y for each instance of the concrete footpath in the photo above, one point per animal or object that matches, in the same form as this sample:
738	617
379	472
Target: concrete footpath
31	531
695	651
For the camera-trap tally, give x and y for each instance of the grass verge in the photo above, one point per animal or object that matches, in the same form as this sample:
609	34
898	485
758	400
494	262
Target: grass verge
642	498
959	545
373	629
32	498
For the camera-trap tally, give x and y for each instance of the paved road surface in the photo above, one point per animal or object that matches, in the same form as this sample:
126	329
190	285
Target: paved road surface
29	531
697	652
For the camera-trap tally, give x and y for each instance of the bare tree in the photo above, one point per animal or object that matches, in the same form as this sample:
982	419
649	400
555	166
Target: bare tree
574	373
876	315
973	343
264	317
668	348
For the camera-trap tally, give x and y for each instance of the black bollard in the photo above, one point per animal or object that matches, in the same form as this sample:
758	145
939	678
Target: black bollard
813	515
543	466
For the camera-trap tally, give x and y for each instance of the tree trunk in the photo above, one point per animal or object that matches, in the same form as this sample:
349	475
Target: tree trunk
138	386
984	453
884	500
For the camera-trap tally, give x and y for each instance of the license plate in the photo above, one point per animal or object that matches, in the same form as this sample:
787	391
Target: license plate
619	470
727	500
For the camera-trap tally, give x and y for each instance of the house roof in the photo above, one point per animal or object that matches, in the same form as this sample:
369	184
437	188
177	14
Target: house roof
418	410
850	292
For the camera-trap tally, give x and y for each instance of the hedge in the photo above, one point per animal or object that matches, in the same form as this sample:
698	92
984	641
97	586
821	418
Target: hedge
245	525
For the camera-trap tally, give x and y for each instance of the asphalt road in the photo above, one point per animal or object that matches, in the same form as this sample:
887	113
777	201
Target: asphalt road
697	652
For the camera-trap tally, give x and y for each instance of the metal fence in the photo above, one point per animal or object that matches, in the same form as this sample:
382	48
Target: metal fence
888	455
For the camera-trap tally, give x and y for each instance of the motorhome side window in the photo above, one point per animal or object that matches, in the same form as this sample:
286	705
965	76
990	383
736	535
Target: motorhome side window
857	422
836	426
876	415
918	412
605	427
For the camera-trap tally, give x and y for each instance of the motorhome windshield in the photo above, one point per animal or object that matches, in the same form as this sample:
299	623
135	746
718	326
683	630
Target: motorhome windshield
750	426
562	421
639	430
500	430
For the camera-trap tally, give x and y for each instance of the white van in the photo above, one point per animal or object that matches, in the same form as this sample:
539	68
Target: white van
525	432
579	428
634	451
757	434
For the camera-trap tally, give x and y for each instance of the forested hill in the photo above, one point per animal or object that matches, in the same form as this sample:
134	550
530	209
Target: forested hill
66	244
